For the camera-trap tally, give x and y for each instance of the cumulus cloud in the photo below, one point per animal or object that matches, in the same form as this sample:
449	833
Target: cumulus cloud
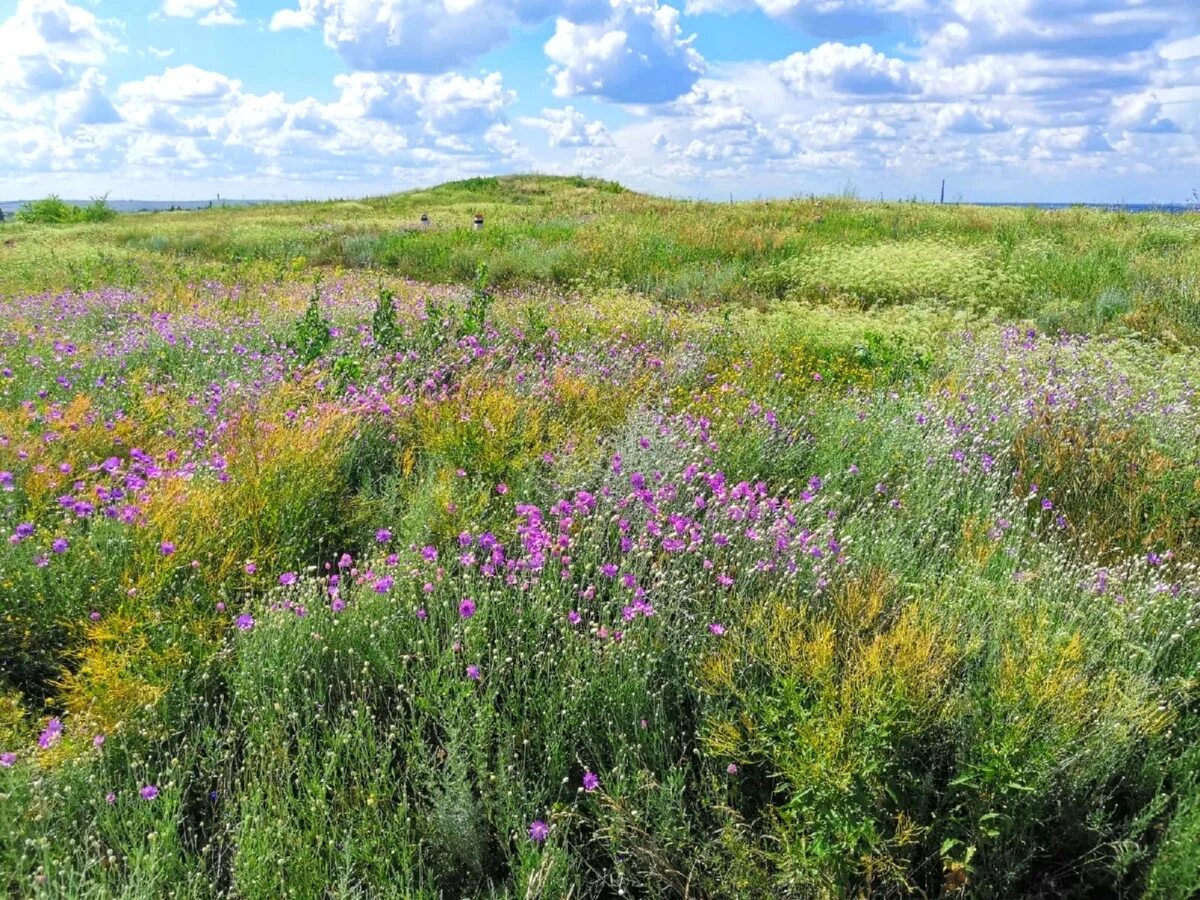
823	18
636	55
185	85
47	44
568	127
87	104
205	12
838	69
439	104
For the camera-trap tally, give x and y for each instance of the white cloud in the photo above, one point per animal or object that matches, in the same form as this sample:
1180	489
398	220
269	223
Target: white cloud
284	19
160	54
824	18
438	104
47	44
839	69
185	85
205	12
85	105
404	35
637	55
568	127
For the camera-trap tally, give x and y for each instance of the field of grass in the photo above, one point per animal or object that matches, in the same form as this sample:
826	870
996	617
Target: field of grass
629	547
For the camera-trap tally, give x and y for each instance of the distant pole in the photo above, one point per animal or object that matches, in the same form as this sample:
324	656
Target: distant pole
943	200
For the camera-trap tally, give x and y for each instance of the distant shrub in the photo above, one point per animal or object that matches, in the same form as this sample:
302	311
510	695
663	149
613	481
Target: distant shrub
53	210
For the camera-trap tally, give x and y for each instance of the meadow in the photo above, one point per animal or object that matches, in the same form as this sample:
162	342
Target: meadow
628	547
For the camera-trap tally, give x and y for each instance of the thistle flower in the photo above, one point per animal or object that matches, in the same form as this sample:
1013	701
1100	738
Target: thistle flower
148	792
591	781
538	831
51	735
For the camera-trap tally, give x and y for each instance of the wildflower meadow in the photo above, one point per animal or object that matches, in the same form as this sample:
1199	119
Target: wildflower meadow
810	550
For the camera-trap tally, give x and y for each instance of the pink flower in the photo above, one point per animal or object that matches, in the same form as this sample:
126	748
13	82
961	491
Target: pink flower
591	781
716	628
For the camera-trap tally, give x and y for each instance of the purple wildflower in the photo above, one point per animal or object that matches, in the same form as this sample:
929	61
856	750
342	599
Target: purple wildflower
538	831
466	608
591	781
51	735
148	792
244	622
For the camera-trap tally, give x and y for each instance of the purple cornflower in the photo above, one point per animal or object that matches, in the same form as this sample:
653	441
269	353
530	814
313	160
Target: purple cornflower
8	760
573	617
244	622
383	535
98	740
346	561
251	568
473	673
732	769
166	548
591	781
287	579
94	615
60	545
538	831
422	615
716	628
337	604
110	798
51	735
466	608
148	792
384	584
429	553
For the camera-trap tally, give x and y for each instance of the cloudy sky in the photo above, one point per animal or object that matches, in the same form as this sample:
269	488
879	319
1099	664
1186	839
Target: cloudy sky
1064	100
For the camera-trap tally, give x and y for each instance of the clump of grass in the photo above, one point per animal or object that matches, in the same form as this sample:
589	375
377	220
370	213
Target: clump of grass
52	210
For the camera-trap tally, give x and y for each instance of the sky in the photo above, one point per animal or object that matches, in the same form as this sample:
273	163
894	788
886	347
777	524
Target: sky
1007	100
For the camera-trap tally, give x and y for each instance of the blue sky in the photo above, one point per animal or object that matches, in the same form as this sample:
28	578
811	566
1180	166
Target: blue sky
1053	100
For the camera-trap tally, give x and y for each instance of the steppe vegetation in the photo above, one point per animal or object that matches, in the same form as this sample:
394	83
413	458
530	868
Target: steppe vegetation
627	547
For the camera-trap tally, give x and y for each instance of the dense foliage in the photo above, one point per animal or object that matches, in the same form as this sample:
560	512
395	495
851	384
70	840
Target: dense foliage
53	210
361	587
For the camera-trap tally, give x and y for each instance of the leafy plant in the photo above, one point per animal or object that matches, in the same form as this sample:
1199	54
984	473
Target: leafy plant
312	336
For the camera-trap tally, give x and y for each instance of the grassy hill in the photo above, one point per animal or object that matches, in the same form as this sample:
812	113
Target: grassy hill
1079	269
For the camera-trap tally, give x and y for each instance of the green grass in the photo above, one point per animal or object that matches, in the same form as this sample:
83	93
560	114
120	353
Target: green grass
1079	269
